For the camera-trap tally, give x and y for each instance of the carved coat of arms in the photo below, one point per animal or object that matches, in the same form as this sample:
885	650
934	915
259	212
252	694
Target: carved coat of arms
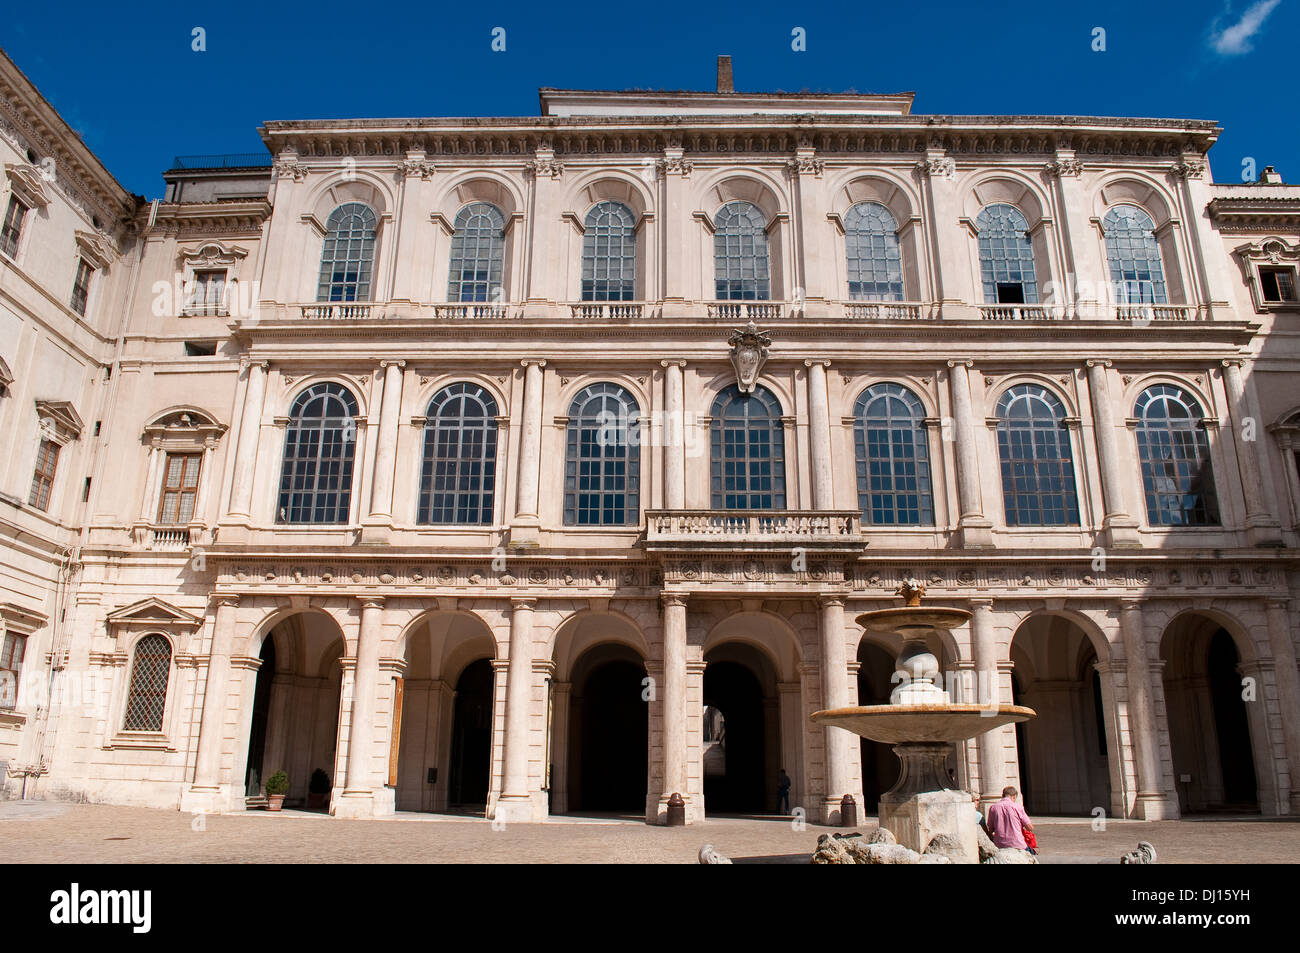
748	355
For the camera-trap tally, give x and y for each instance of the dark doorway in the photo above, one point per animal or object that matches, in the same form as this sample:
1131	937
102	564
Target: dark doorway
879	763
1022	749
1231	726
261	715
610	734
471	738
734	690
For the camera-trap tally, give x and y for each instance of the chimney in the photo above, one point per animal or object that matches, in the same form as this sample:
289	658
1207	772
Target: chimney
1270	176
724	75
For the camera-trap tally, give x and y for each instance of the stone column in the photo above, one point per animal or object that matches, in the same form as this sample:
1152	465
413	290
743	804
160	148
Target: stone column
149	505
1288	690
357	799
984	652
819	435
515	802
972	527
835	694
379	524
674	436
524	527
561	693
1150	802
205	794
199	522
1261	525
250	426
674	699
1119	529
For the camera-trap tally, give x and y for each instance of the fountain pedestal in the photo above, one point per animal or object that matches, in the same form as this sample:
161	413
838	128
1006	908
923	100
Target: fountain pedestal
922	805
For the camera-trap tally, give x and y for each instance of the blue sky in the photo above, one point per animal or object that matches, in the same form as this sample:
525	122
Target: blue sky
137	92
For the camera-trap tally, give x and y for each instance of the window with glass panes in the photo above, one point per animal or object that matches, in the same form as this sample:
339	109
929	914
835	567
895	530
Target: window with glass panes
1174	450
348	256
875	260
893	457
458	472
1037	465
209	292
478	254
320	442
147	697
47	461
81	286
1277	284
1006	256
602	466
740	253
12	229
747	451
609	253
12	650
1133	254
180	487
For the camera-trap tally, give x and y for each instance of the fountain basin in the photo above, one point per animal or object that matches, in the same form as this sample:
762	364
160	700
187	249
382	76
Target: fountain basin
932	724
913	622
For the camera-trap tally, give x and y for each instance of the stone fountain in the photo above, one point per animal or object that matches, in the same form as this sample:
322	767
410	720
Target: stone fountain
923	725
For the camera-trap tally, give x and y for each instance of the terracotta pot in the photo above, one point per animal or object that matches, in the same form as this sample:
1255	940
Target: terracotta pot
274	802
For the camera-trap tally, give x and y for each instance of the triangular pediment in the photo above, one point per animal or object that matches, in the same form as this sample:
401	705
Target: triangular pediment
60	417
154	612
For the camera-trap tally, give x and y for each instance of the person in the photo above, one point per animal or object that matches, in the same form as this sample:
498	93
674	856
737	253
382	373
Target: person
979	815
783	793
1007	821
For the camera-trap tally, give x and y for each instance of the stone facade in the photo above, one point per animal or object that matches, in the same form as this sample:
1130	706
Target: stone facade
411	657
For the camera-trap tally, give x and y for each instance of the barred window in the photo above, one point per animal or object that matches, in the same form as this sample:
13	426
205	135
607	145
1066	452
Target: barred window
348	256
1037	465
148	694
180	487
316	479
47	461
893	457
81	286
11	668
1177	477
1006	256
875	260
747	449
478	254
1136	272
12	229
740	254
602	467
609	253
458	475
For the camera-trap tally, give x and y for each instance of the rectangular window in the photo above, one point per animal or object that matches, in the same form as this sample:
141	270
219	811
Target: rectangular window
81	286
12	229
47	458
208	293
200	348
1277	284
180	487
1011	292
11	668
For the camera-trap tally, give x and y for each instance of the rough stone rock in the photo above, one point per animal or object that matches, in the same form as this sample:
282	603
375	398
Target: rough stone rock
947	846
1145	854
936	859
709	855
882	835
891	854
987	847
832	850
1012	855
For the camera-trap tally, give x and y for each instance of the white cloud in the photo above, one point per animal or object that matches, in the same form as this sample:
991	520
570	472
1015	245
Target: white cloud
1235	39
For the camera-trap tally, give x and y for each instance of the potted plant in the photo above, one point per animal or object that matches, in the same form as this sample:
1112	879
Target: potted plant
318	790
277	786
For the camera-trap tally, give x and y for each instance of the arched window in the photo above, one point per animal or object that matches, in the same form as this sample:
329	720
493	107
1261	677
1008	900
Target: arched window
875	262
1136	273
478	254
147	698
316	480
348	258
458	475
1175	453
893	457
747	447
1006	256
1037	466
602	464
609	253
740	257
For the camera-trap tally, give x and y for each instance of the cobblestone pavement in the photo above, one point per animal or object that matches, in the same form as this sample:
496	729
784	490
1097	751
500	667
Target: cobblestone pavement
52	832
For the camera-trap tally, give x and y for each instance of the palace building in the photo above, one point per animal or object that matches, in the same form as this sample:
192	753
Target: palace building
540	466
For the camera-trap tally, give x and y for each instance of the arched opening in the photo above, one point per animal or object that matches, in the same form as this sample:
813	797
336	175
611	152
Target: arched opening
609	732
1063	752
1210	733
295	720
745	750
879	763
471	740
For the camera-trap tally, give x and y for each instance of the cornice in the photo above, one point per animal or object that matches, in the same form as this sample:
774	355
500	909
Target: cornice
216	218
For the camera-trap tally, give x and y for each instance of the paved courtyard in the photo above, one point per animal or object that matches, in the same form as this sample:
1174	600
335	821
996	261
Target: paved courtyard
53	832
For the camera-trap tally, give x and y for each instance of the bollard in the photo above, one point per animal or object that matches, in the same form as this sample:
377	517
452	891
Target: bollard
676	811
848	811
